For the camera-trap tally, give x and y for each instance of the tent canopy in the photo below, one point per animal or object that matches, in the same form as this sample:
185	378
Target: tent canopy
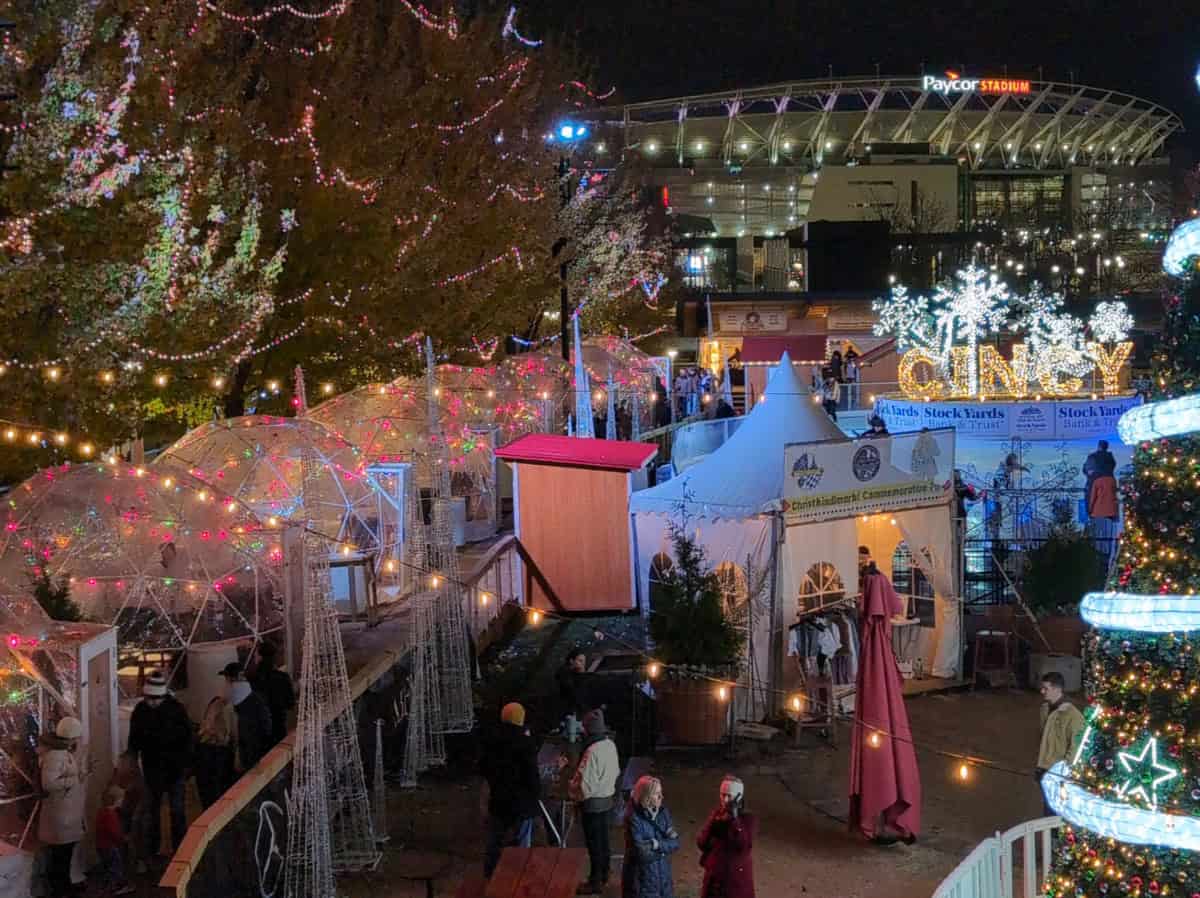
744	477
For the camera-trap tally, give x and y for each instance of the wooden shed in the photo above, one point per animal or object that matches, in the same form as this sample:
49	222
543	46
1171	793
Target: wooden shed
571	515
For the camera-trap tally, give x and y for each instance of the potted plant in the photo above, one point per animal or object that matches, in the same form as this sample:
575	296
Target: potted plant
695	641
1058	573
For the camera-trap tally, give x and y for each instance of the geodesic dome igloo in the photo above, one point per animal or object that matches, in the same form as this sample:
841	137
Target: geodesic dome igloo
478	409
259	461
169	563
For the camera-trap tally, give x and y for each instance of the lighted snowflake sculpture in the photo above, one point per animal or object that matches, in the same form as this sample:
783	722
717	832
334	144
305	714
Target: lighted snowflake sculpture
257	459
1111	322
170	563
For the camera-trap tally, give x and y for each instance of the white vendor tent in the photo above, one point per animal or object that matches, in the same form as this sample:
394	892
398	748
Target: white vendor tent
763	501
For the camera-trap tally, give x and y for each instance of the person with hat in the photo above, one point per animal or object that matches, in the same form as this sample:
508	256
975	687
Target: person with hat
594	787
725	842
878	428
253	718
160	736
275	686
509	764
60	822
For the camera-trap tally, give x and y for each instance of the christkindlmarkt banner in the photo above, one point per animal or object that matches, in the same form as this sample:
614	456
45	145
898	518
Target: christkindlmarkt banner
843	479
1047	419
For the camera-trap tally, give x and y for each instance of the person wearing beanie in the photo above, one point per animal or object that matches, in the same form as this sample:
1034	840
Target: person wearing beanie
594	788
160	736
726	841
509	764
60	822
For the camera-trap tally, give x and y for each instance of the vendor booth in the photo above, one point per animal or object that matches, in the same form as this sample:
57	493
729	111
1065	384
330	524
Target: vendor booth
572	516
790	496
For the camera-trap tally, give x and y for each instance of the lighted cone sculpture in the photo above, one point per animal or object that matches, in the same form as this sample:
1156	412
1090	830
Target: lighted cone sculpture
454	662
425	746
329	825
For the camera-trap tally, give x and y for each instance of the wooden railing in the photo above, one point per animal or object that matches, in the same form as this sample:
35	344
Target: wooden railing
205	828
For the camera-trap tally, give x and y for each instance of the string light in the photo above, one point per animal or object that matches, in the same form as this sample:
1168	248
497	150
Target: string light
510	29
484	599
653	669
447	23
535	616
272	11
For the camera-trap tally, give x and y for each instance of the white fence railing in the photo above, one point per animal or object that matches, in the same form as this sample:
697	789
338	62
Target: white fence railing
991	870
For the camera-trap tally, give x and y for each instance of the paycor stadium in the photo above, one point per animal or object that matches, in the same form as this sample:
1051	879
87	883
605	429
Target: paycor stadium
941	152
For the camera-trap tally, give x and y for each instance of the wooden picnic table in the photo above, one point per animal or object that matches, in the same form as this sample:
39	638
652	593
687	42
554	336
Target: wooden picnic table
537	873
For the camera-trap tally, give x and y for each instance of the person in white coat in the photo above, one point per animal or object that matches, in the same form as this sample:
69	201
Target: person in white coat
61	820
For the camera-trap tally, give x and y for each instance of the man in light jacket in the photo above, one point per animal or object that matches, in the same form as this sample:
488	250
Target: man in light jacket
1062	725
594	787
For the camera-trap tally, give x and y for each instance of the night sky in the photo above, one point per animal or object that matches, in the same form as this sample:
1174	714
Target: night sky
654	49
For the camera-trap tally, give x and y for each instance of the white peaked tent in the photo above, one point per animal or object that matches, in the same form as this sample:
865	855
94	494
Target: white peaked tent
733	502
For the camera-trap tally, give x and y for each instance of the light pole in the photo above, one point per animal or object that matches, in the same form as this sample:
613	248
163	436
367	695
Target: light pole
567	135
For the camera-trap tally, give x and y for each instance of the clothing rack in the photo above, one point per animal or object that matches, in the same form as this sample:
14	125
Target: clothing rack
822	690
828	606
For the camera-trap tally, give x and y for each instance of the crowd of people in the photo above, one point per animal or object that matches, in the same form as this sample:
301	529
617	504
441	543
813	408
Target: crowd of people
509	765
240	725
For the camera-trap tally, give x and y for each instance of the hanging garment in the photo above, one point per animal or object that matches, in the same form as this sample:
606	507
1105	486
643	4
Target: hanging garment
884	780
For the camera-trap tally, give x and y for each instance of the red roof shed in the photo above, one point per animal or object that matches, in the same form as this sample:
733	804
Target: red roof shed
571	513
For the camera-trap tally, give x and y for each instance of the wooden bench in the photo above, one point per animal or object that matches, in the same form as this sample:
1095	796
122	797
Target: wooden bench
537	873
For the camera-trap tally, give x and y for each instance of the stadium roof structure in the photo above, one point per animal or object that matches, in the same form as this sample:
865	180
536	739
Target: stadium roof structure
1037	125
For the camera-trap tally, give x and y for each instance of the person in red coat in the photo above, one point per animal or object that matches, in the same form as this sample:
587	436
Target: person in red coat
725	843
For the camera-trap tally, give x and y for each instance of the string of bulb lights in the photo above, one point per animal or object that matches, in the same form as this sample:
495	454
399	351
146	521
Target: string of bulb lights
724	688
34	436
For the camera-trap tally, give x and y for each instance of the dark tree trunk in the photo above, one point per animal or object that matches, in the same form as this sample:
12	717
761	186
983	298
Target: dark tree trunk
235	399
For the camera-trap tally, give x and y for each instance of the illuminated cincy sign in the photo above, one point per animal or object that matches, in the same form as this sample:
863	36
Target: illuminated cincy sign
954	83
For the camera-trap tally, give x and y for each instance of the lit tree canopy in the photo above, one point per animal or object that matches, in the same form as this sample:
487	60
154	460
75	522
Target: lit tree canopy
206	195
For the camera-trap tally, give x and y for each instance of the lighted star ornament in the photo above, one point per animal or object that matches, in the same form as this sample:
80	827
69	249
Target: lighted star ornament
1146	773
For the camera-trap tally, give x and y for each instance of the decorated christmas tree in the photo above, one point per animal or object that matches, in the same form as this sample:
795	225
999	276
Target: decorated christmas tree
1131	793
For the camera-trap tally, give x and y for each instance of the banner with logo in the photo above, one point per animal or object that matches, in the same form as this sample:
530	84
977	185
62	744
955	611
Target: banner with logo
829	480
1047	419
752	321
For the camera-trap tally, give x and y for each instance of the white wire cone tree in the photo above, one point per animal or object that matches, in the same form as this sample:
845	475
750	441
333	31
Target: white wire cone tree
424	744
329	821
454	662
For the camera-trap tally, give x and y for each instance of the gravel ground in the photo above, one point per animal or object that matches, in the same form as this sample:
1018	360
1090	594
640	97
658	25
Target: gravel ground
800	850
